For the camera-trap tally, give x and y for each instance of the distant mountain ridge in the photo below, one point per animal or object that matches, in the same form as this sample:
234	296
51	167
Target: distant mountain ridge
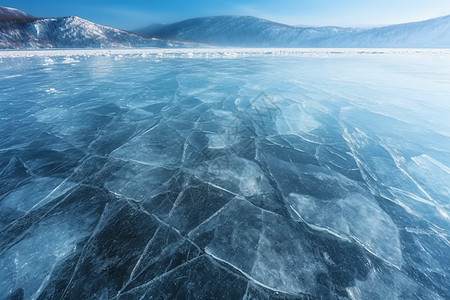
243	31
19	30
254	32
433	33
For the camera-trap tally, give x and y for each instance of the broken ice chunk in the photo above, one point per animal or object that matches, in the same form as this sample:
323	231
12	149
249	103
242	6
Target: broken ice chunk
356	217
36	193
294	120
158	146
237	175
271	250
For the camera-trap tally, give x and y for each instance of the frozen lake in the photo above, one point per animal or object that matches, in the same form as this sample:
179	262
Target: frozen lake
225	173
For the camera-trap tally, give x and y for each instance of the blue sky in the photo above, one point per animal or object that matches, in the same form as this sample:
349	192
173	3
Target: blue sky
132	14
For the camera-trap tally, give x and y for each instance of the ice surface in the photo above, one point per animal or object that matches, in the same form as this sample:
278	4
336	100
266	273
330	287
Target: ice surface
43	190
224	173
263	246
356	217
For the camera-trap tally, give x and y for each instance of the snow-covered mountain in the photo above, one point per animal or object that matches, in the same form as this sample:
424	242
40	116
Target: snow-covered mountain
24	31
8	14
21	30
255	32
434	33
243	31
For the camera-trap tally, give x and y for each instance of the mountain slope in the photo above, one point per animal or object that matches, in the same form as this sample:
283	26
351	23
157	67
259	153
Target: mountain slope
254	32
67	32
243	31
8	14
434	33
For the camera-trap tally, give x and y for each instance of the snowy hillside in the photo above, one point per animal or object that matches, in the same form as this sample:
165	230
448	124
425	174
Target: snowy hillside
254	32
8	14
434	33
20	30
68	32
244	31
